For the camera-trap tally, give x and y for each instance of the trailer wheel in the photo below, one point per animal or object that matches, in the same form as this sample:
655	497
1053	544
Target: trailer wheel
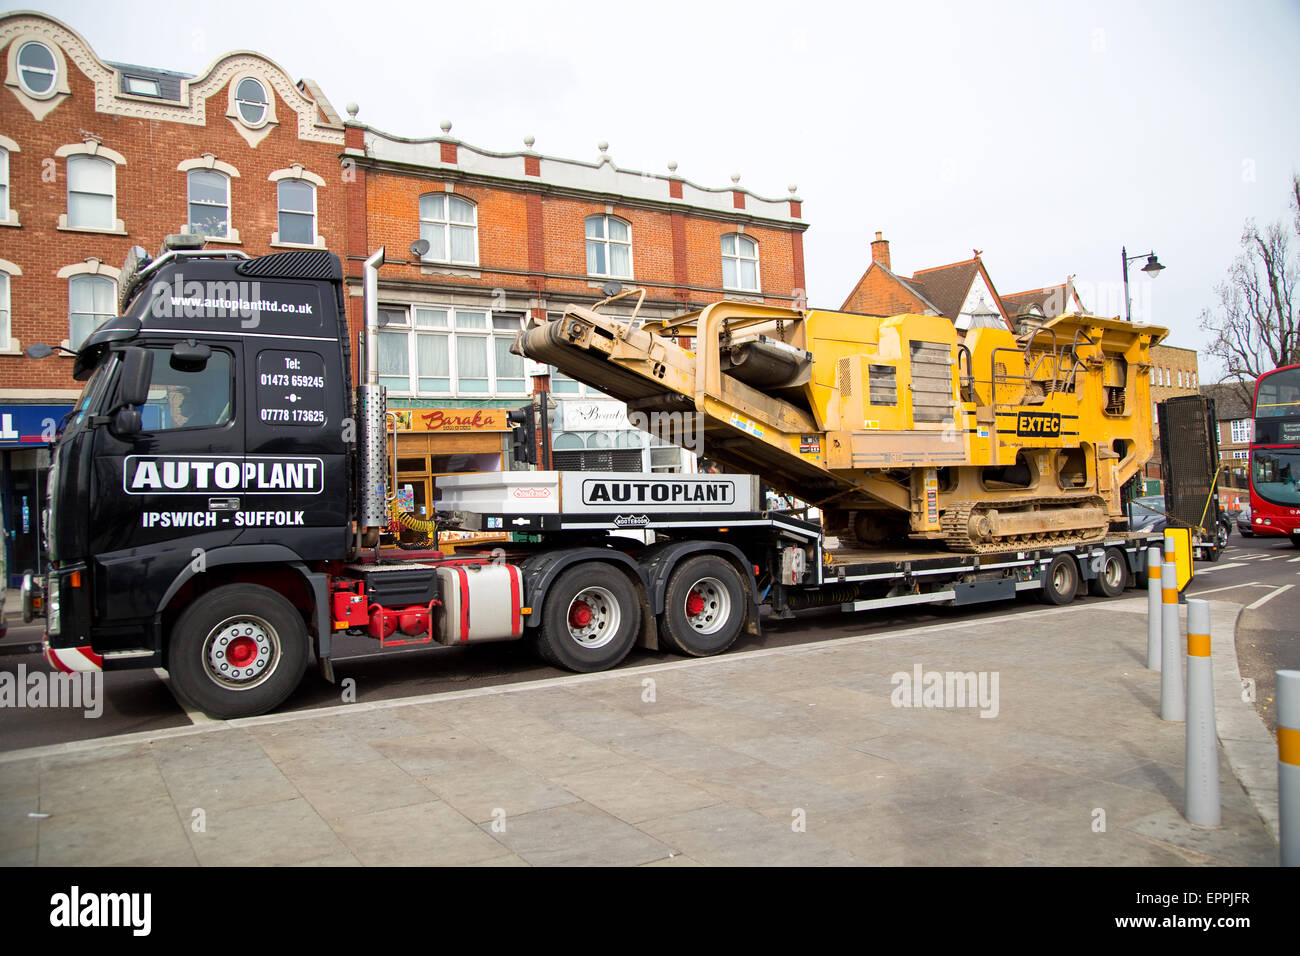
704	607
1112	578
590	620
238	651
1060	580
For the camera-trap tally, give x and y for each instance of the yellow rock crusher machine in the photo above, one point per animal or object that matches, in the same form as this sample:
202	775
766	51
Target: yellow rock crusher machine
892	427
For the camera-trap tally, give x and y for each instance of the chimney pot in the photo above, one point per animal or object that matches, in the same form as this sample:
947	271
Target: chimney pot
880	250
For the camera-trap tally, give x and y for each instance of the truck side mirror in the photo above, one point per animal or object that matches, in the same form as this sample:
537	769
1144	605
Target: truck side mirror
137	370
126	421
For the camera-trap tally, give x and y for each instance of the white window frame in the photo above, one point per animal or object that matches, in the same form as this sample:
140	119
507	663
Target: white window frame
90	149
297	173
239	102
112	298
454	333
445	224
8	344
54	73
189	201
606	241
101	163
737	258
278	237
6	207
1242	431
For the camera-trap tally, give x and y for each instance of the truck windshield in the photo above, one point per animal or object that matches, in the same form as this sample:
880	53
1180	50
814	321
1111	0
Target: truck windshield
92	396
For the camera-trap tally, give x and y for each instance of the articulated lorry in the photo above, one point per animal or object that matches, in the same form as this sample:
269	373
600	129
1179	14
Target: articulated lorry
218	494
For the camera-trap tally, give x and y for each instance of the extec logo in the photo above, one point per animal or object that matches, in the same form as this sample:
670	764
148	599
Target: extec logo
76	909
1038	424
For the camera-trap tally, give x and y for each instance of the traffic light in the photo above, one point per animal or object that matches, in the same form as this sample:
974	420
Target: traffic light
523	435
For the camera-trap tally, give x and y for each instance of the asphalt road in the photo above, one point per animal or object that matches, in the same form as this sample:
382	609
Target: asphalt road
1253	572
1262	575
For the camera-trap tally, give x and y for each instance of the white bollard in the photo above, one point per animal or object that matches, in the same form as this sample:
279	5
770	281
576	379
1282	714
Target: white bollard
1202	769
1153	608
1288	765
1173	705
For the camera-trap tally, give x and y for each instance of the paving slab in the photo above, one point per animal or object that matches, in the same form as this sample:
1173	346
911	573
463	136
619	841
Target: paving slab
783	756
578	835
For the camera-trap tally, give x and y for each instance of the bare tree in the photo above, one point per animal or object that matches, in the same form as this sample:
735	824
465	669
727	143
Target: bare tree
1255	328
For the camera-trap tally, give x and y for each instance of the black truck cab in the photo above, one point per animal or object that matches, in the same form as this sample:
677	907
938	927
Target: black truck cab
212	436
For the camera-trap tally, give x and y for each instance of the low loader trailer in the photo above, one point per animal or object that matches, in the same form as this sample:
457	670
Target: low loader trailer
217	497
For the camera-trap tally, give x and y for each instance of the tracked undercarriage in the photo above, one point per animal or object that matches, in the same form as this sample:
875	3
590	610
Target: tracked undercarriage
1024	523
986	443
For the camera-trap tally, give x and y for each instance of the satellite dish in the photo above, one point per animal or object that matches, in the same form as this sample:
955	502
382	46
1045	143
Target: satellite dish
420	248
612	289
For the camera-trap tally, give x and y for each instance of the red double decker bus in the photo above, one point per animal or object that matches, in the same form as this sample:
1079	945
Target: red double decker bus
1275	455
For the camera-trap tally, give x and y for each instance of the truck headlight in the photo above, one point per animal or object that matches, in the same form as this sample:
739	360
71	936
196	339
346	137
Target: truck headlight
52	603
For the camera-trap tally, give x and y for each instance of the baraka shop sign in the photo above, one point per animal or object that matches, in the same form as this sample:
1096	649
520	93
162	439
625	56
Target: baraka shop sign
451	420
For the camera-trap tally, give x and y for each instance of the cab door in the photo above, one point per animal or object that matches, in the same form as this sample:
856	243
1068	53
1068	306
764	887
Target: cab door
162	498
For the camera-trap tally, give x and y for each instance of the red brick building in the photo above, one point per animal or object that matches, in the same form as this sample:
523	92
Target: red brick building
96	157
960	291
518	235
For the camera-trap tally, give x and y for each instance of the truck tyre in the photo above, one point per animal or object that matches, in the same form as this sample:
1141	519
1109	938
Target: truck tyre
704	607
1112	577
238	651
1060	580
590	619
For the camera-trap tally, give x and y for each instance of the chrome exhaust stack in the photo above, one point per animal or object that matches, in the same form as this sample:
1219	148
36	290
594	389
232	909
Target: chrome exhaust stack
372	405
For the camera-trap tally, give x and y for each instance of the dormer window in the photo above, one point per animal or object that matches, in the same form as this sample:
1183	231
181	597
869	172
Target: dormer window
142	86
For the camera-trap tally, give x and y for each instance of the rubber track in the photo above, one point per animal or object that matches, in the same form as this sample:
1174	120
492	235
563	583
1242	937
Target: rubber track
956	526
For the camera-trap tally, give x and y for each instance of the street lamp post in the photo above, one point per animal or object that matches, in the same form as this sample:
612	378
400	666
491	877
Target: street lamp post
1152	268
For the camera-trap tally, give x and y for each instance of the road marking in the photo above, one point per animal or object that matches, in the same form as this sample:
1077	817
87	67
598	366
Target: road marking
1292	560
1269	597
1207	568
196	717
1251	584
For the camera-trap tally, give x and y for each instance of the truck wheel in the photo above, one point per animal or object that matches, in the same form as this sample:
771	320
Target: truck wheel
591	618
704	607
1060	580
1113	576
238	651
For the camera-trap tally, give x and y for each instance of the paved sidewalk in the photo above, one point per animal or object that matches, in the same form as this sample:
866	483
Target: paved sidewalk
786	756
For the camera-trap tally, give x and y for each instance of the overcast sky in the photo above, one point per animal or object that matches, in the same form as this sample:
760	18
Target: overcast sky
1047	135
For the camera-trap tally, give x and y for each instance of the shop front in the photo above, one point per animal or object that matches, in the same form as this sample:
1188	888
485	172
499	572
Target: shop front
445	441
25	434
597	436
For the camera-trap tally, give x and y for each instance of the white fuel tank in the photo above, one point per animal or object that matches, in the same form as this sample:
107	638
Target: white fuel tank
480	602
